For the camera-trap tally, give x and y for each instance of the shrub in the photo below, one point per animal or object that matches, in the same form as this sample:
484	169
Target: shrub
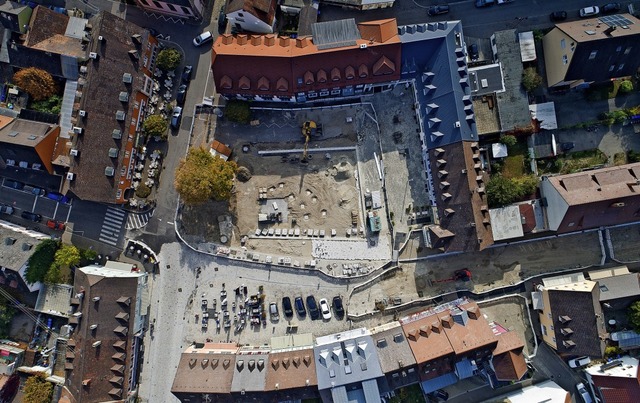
531	79
238	111
168	59
509	140
50	105
633	156
143	191
243	174
626	86
612	351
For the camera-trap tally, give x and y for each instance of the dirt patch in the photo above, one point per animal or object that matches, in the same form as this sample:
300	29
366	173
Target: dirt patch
318	195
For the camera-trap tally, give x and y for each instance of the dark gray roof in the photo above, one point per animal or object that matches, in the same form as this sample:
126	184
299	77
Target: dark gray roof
346	358
626	285
486	79
335	34
434	55
250	372
542	143
513	104
585	321
393	349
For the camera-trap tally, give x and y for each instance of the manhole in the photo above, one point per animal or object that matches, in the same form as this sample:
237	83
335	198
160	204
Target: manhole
223	239
306	217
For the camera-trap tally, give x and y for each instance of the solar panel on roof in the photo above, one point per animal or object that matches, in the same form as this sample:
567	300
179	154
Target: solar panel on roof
616	20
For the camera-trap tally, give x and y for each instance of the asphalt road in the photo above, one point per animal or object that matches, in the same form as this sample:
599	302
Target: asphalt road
476	22
26	201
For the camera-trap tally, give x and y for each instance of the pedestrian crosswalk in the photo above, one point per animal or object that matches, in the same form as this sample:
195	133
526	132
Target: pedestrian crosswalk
112	226
135	221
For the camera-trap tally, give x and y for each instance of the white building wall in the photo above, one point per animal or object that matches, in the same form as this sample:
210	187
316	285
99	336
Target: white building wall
556	205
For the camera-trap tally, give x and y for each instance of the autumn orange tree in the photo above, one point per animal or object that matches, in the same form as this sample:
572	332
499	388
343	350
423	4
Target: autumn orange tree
201	177
36	82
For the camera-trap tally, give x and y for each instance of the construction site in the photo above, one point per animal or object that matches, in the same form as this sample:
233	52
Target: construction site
315	191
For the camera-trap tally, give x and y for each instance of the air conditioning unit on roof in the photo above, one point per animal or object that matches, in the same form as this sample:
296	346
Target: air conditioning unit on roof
74	152
93	55
363	46
77	130
82	113
70	176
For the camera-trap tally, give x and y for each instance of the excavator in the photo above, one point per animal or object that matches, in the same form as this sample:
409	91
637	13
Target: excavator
458	275
308	128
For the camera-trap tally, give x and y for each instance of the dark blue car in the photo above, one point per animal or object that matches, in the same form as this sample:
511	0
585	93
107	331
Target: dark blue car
59	197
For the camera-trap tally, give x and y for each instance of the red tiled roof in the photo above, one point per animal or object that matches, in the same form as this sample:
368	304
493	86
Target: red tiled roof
302	64
264	10
510	366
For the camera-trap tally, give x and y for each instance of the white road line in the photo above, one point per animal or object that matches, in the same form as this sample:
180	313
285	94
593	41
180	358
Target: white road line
108	241
113	219
55	211
35	201
69	212
115	211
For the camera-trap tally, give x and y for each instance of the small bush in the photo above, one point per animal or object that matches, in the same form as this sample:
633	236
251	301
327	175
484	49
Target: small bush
633	156
238	111
509	140
143	191
156	126
531	79
625	87
243	174
612	351
50	105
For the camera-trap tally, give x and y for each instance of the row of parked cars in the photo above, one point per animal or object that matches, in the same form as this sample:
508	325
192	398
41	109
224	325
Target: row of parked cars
586	12
59	197
315	308
31	216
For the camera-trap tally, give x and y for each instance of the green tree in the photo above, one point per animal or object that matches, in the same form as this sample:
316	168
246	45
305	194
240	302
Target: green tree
500	191
49	105
38	83
633	316
6	315
201	177
40	261
626	86
509	140
168	59
238	111
531	79
143	191
67	255
156	126
37	389
54	275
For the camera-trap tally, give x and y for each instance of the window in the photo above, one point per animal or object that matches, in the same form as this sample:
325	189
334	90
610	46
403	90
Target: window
240	19
549	315
565	59
552	327
172	7
619	48
571	224
240	15
157	4
593	54
621	66
627	50
554	339
563	43
613	66
544	330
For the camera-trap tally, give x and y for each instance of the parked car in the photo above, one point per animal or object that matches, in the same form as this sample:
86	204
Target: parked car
28	215
610	8
324	308
186	74
300	307
504	2
202	38
584	394
57	225
182	94
312	306
437	10
59	197
558	16
273	311
579	362
6	209
589	11
176	117
286	307
474	53
337	307
13	184
484	3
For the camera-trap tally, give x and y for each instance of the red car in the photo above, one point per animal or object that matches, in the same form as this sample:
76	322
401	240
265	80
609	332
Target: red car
57	225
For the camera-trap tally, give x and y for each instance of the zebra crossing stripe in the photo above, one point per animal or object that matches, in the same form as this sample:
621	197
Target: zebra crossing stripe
116	212
108	241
